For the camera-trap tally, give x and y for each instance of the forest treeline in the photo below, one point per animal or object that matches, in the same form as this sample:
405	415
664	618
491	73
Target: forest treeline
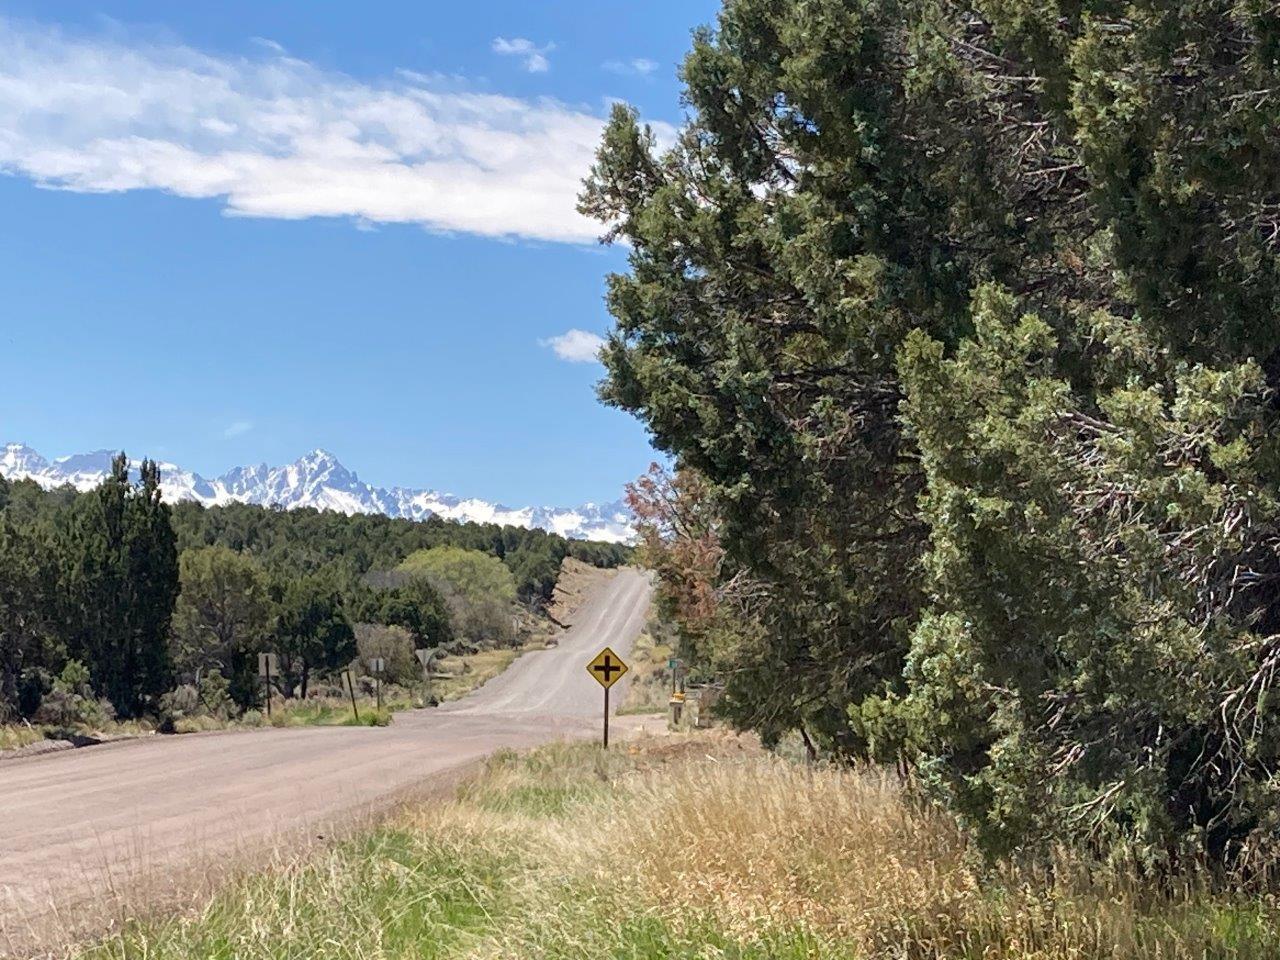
115	603
961	323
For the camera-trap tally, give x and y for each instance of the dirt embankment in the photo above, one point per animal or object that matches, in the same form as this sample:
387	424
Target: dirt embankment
577	581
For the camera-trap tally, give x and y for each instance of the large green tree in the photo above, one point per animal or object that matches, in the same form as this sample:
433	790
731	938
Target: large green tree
313	634
121	585
29	653
223	619
966	313
407	600
479	590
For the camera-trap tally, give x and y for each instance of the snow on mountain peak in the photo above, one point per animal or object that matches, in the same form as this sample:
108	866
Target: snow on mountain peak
20	457
319	480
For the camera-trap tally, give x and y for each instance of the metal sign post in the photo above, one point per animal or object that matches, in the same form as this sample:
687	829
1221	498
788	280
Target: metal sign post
377	665
607	668
268	663
351	689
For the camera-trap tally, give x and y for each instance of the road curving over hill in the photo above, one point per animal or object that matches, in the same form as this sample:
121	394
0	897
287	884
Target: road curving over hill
81	829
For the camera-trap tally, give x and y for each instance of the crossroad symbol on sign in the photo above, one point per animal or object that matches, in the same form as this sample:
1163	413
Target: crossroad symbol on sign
607	668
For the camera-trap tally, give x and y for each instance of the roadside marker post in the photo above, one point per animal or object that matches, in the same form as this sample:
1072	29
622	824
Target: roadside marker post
351	689
377	665
607	668
268	663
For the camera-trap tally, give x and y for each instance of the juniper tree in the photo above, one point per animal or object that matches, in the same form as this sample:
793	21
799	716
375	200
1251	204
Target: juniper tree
1039	556
222	620
121	580
313	634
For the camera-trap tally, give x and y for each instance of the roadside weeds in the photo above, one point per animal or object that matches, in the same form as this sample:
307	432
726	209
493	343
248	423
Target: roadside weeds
690	845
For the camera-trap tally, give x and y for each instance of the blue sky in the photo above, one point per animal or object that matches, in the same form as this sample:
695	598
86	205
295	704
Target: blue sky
234	232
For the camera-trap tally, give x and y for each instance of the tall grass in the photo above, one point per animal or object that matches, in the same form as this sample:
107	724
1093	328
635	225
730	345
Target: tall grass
13	736
693	846
766	845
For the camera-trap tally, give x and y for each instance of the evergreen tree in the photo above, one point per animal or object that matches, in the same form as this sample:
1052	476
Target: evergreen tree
410	602
967	316
122	583
29	657
313	634
153	585
223	619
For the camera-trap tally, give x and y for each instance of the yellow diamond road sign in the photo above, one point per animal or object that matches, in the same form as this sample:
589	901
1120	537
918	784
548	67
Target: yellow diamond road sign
607	668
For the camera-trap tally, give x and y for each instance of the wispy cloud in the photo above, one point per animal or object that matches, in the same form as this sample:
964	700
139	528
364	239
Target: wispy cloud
531	55
236	429
638	66
575	346
277	137
269	44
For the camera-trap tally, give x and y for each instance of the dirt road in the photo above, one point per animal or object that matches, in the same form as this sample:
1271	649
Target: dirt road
78	827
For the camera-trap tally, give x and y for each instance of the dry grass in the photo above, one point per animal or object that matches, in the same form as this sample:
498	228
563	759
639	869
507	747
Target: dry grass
761	842
695	845
15	735
466	674
764	845
650	687
469	672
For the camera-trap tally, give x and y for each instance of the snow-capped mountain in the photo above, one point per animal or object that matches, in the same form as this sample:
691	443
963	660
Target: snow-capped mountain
319	480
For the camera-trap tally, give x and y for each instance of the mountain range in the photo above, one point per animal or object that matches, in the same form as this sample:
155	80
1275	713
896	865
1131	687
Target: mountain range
319	480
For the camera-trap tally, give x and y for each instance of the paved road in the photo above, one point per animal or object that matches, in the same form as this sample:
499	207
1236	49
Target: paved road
87	822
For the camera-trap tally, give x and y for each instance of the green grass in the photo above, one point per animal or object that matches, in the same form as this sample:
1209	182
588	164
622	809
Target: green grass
548	783
337	713
389	894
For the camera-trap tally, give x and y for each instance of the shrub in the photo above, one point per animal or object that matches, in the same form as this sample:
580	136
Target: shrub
179	704
70	701
393	644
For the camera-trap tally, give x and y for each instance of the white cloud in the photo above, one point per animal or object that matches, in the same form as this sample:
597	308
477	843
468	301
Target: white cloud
274	136
576	346
236	429
640	66
268	43
534	57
